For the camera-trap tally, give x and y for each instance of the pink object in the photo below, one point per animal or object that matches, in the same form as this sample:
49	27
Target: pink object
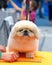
24	13
32	15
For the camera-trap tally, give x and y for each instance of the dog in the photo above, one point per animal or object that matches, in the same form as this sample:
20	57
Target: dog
24	38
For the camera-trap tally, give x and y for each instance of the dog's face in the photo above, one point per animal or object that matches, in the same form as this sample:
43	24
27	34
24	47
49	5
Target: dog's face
25	32
25	29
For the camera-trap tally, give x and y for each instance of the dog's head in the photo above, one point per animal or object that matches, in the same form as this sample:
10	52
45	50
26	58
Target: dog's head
25	29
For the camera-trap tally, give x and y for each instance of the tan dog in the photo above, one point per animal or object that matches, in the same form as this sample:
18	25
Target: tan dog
24	38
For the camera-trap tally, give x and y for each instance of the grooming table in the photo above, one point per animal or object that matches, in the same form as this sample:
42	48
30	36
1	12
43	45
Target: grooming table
42	58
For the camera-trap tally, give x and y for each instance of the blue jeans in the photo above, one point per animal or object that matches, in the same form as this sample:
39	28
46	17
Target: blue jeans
50	10
40	9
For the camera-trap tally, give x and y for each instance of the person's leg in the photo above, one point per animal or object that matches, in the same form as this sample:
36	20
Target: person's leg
40	9
50	13
40	12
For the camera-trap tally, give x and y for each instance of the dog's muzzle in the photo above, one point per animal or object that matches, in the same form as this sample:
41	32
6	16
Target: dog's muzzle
25	33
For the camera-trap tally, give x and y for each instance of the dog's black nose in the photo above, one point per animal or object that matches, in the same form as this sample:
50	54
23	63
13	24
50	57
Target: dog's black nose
25	33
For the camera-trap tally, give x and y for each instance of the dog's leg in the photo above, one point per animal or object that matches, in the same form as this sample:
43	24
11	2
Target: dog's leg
30	55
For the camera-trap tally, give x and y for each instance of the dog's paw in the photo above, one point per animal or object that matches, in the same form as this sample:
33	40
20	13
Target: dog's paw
30	55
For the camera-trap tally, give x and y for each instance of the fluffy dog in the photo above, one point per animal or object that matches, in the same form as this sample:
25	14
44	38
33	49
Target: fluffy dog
24	38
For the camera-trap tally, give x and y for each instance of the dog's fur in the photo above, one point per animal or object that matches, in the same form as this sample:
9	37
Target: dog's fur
3	4
24	43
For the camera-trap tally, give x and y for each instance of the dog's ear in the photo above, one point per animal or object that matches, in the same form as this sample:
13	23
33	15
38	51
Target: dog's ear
36	32
13	32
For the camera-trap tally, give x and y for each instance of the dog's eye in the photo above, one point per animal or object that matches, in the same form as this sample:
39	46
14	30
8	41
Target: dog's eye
30	30
21	30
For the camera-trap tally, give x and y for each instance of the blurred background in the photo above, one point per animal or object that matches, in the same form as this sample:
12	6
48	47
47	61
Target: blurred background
10	14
